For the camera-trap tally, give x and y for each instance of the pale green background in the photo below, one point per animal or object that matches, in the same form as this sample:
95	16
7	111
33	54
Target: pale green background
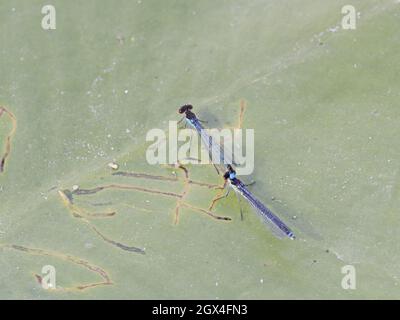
324	106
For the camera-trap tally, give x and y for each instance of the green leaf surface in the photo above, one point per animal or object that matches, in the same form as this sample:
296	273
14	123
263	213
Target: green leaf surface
323	102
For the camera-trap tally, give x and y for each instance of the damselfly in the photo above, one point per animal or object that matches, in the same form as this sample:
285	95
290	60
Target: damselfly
277	226
218	154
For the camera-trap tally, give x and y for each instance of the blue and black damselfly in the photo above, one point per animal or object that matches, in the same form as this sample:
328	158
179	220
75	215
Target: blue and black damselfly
277	226
219	157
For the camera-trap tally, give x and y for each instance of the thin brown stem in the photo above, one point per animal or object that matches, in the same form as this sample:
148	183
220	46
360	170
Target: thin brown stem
68	258
8	138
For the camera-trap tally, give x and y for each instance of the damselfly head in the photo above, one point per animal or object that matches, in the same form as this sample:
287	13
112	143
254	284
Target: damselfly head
226	175
230	174
185	108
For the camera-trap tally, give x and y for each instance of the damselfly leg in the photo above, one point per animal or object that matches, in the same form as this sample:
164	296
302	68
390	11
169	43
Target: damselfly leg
240	206
180	121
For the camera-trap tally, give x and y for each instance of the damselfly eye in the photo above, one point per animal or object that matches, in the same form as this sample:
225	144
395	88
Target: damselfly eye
185	108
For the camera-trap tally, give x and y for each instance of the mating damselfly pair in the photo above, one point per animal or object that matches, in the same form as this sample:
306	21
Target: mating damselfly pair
277	226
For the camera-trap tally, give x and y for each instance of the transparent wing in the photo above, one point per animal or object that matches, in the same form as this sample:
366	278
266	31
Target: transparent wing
215	150
277	226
